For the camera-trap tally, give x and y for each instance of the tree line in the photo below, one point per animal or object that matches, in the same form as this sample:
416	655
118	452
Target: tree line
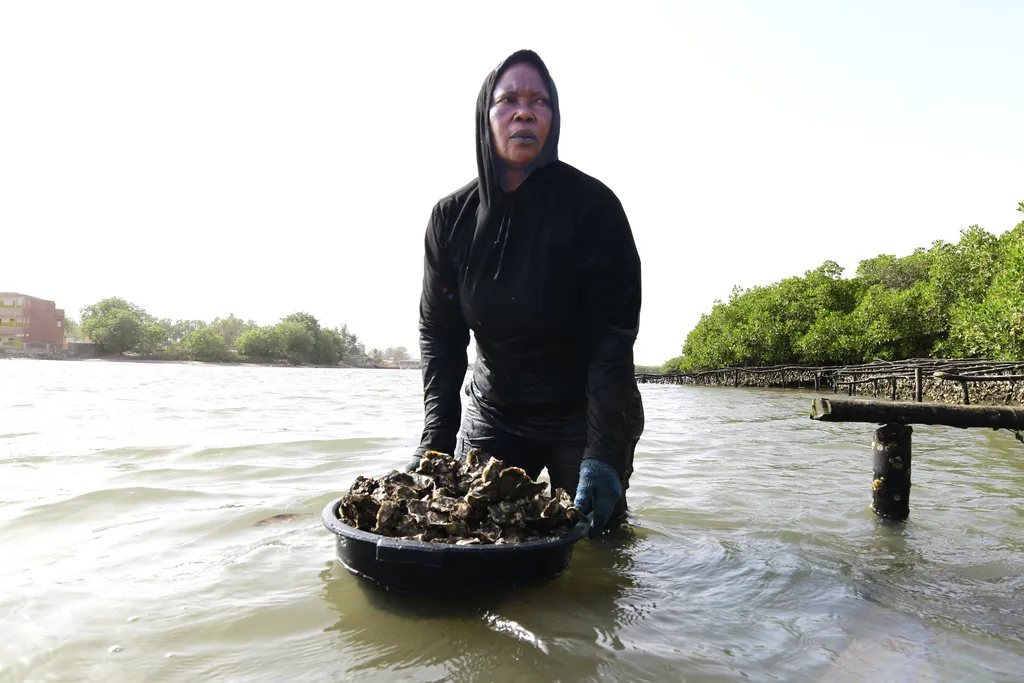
963	299
119	326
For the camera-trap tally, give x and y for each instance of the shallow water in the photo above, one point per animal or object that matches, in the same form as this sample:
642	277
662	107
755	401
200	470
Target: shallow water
129	491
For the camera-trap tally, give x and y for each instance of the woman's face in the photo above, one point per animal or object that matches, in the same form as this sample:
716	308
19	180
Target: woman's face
520	115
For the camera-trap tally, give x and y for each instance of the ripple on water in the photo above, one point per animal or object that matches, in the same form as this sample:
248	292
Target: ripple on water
129	525
15	435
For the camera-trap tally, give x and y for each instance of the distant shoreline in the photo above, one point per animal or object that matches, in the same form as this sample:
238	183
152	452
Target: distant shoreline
177	361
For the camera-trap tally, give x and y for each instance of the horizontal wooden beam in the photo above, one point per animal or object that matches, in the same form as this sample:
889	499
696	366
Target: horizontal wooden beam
977	378
906	412
844	382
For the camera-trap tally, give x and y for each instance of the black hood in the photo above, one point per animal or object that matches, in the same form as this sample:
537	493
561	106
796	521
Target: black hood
488	165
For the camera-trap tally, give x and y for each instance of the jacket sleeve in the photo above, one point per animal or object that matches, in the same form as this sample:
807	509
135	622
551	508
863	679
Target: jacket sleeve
611	271
444	337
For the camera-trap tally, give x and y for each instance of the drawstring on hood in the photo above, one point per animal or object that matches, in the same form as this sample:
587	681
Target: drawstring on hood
494	201
503	234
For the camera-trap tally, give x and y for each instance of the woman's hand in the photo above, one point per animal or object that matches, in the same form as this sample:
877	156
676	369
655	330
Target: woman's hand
598	492
413	464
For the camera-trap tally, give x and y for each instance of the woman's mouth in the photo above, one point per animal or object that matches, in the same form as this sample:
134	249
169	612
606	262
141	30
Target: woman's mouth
523	136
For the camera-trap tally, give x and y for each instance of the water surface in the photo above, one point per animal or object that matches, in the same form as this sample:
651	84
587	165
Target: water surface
128	551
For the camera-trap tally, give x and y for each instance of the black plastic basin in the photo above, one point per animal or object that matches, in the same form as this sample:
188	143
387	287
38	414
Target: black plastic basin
419	567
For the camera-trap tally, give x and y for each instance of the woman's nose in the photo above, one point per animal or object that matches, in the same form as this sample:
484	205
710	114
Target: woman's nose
524	115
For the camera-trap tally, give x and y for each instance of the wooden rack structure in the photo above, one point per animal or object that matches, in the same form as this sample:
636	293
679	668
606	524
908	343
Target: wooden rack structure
920	391
918	379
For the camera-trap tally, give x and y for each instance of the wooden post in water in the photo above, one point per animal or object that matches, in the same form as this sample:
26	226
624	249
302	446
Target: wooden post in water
890	484
876	388
892	389
735	378
817	380
917	384
890	448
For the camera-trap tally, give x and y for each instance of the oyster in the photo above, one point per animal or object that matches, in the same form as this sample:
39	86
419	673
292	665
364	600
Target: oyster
463	510
389	516
360	510
476	501
492	471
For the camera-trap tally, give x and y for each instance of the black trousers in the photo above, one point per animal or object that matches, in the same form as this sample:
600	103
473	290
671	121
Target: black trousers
561	459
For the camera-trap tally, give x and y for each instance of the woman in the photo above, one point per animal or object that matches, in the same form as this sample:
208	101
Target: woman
538	260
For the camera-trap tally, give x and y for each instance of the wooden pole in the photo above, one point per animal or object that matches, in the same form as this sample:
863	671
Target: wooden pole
735	378
890	484
817	381
876	388
918	384
905	412
892	388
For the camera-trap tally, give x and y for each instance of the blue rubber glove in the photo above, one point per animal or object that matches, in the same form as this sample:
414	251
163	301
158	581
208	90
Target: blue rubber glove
413	463
598	492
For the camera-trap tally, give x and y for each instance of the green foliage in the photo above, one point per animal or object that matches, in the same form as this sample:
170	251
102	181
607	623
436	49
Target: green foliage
114	324
963	270
893	324
647	369
177	331
350	341
152	340
675	365
994	326
72	330
120	331
964	299
831	338
329	347
205	344
171	352
889	272
120	327
307	320
258	342
294	341
352	344
231	328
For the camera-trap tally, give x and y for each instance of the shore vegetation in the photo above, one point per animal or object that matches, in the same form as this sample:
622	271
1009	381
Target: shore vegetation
952	300
118	327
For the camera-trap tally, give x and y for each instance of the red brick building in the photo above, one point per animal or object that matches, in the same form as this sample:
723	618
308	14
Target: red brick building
25	320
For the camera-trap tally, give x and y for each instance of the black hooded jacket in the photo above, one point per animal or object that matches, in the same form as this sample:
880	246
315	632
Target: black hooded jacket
548	279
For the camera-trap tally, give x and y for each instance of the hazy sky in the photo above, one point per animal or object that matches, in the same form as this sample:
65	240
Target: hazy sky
201	158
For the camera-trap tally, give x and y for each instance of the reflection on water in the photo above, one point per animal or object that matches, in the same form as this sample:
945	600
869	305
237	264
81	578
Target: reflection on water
558	625
161	523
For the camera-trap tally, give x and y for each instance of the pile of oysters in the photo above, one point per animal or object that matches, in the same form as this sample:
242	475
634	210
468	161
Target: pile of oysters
477	501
